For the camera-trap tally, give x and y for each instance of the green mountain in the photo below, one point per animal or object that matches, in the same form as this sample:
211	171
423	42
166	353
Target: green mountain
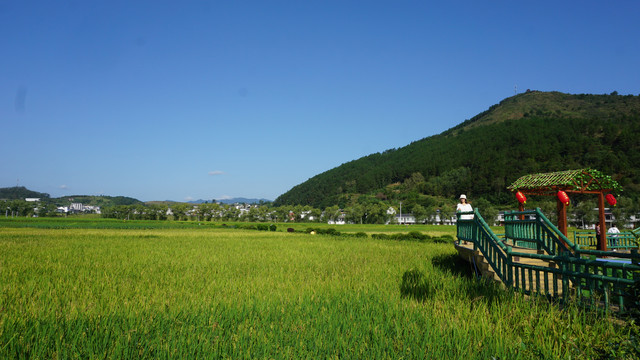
20	193
527	133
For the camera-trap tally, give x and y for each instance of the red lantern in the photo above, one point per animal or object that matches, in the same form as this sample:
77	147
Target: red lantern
521	198
563	197
611	199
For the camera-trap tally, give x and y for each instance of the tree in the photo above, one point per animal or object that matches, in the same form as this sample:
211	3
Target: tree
622	211
420	213
331	213
138	212
179	211
263	212
415	180
231	213
253	214
281	213
316	214
584	212
355	213
447	210
488	212
216	211
376	214
203	212
160	211
550	210
46	209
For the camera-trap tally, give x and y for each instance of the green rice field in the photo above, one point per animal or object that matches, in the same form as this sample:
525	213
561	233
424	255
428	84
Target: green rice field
155	291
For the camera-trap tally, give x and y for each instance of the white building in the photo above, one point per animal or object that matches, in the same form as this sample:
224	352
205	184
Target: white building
405	218
339	220
76	207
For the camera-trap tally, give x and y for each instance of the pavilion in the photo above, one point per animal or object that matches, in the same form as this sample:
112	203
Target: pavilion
582	181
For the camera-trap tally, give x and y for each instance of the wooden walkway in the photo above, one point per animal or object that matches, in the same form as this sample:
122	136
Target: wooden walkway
529	281
603	279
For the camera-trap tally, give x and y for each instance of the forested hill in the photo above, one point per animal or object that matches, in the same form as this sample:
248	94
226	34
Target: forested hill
527	133
20	192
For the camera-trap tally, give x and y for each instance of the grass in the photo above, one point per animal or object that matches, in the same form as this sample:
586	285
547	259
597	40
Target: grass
208	292
92	222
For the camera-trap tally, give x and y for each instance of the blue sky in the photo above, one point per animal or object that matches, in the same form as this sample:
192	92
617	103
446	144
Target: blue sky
168	100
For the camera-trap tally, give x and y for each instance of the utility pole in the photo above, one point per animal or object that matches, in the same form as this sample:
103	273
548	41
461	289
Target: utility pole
400	212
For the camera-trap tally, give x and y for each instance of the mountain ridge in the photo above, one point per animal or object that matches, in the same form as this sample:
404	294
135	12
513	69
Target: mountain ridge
236	200
526	133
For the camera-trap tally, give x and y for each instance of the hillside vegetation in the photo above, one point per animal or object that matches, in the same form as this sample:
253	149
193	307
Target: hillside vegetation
19	193
101	201
527	133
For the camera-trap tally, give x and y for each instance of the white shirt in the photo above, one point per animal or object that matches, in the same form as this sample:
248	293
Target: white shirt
464	208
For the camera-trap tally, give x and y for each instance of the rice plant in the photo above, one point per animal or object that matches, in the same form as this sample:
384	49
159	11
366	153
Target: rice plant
226	293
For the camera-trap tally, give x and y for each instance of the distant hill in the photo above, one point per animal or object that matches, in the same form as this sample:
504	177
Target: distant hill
527	133
241	200
20	193
238	200
93	200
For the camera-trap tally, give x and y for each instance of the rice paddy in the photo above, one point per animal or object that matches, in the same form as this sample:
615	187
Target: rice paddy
212	292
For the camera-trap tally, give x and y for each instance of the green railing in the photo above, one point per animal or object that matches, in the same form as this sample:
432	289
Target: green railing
625	240
478	232
535	231
558	269
583	279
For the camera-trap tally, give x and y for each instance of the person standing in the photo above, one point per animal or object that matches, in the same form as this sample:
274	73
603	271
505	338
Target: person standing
464	206
613	231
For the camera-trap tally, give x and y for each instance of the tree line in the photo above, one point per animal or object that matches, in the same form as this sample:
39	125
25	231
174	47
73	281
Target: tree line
365	210
581	213
15	208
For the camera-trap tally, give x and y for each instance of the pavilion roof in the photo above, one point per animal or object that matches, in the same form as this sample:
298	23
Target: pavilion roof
580	181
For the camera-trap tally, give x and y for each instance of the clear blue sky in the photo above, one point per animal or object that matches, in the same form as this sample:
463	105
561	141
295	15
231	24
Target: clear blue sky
184	100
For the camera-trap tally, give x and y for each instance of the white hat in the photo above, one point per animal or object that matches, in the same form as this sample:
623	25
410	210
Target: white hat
463	196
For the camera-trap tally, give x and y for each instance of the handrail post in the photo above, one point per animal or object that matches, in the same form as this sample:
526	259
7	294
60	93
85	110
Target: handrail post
564	272
509	267
458	227
539	229
475	230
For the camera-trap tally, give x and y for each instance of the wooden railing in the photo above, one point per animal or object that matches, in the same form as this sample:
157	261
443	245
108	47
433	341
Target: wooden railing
559	269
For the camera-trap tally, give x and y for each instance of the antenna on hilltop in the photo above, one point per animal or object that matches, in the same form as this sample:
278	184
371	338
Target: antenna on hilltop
515	89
